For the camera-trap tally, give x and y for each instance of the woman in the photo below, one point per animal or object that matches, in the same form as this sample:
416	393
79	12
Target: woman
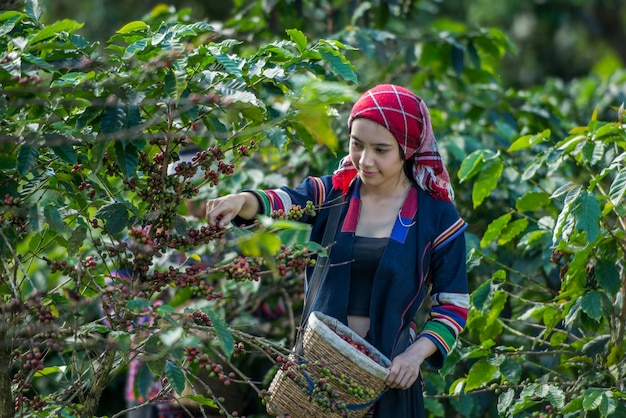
399	237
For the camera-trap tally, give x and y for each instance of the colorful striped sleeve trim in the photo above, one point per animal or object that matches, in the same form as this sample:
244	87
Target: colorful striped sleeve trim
449	234
272	200
441	335
450	309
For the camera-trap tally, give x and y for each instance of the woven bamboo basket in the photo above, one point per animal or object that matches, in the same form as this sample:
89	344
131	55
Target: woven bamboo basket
333	378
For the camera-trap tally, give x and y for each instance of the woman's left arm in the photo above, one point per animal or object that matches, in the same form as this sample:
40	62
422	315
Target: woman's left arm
405	368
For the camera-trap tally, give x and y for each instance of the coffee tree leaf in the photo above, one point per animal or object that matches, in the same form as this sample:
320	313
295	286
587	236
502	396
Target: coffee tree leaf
592	304
480	374
587	213
76	240
224	336
298	38
618	188
175	376
532	201
135	26
487	181
27	159
494	229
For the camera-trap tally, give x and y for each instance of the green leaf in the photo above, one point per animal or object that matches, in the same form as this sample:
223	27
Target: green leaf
171	85
53	217
135	47
225	337
528	141
231	65
339	65
115	217
591	304
76	240
175	376
512	230
511	369
532	201
27	159
66	153
113	119
127	157
587	213
471	165
608	276
65	25
136	26
73	79
487	181
480	374
138	304
143	382
33	10
298	38
202	400
494	229
123	340
618	188
592	399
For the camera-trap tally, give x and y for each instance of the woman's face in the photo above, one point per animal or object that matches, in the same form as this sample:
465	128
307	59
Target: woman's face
376	154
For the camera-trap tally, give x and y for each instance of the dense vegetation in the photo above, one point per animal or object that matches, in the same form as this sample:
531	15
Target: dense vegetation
88	131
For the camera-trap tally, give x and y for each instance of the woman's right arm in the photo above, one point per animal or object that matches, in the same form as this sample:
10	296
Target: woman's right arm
220	211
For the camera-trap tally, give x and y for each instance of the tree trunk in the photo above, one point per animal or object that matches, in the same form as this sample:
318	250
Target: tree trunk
7	407
101	379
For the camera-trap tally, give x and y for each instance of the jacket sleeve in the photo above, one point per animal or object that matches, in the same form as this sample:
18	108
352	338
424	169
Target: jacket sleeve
312	189
449	293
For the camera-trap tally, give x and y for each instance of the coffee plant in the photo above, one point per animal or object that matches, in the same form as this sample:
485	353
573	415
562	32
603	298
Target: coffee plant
101	261
107	152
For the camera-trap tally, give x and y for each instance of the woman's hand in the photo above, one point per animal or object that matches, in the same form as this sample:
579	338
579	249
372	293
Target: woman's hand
220	211
405	368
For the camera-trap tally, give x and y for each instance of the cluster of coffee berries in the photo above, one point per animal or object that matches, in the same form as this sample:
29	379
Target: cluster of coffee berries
295	213
23	402
242	268
347	384
293	260
33	360
10	200
201	318
362	348
194	355
63	266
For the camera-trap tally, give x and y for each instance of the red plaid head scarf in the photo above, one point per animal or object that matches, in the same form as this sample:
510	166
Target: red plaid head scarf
406	116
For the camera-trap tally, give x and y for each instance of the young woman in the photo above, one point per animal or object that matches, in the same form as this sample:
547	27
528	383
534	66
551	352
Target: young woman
399	239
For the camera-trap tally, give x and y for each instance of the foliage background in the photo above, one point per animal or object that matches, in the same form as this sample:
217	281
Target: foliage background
526	102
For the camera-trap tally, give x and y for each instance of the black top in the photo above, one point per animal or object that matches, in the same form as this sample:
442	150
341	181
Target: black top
366	255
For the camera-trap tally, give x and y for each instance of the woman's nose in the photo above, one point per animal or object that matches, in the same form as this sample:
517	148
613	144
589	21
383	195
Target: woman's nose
365	159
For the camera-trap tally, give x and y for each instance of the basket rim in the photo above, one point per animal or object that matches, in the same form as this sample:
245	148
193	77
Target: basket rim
324	325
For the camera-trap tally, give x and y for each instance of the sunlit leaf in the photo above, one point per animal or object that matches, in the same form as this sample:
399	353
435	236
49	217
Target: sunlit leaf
471	165
618	188
494	229
486	182
135	26
298	38
480	374
64	25
532	201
